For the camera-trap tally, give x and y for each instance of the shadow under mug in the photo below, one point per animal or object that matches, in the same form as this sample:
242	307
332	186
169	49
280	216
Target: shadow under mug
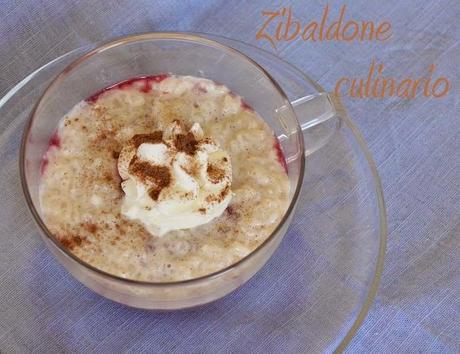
302	126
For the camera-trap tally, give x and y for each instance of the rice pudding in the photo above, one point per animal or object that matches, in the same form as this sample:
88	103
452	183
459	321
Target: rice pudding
163	178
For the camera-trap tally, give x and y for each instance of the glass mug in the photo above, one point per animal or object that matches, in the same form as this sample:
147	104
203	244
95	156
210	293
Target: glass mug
313	116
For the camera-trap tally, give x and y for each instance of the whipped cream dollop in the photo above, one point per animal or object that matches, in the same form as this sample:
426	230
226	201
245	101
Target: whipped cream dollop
174	179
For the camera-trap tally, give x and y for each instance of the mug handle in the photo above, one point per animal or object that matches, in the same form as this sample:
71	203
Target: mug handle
319	119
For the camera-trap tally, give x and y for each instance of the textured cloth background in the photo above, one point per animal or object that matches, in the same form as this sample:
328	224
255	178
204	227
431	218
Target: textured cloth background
415	143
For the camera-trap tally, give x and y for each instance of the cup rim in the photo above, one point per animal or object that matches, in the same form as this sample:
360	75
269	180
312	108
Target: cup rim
144	37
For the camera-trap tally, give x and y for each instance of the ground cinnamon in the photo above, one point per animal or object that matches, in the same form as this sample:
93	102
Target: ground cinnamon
215	173
159	175
153	138
186	143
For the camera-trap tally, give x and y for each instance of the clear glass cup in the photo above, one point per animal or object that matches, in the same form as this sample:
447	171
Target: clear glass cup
182	54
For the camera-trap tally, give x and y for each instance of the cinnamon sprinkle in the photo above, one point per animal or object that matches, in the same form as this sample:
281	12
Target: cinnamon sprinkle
215	173
154	193
186	143
224	193
218	198
92	228
160	175
72	241
153	138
